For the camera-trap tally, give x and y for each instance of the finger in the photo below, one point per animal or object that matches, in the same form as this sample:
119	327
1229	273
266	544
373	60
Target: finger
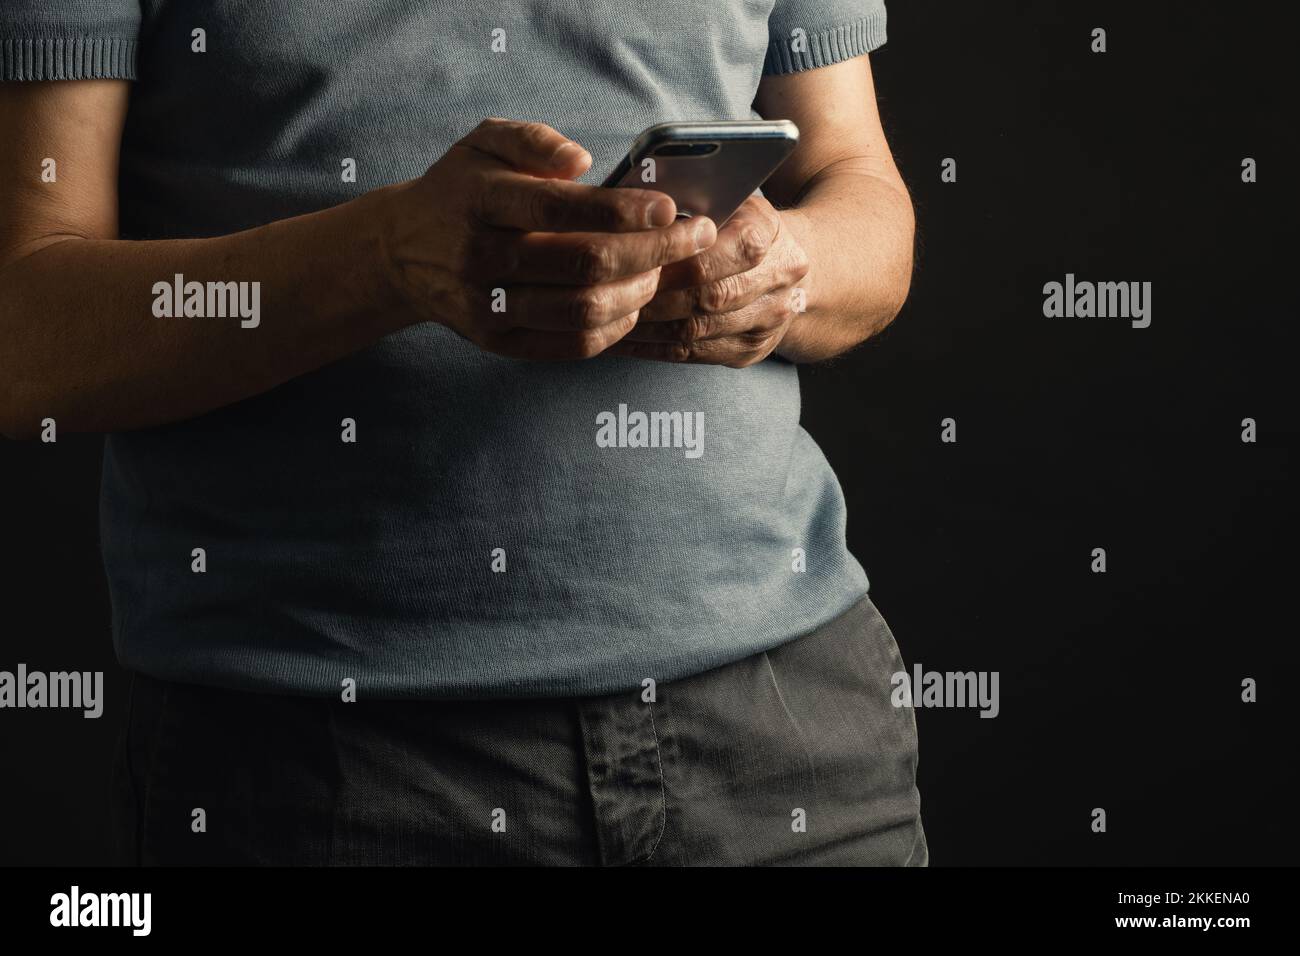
512	200
529	147
743	243
686	331
593	258
535	345
765	314
558	308
732	351
728	294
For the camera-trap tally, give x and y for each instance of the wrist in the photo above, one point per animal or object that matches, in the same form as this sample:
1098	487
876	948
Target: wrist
377	236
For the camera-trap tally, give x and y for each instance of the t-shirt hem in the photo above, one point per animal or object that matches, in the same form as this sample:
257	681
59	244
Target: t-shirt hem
826	47
462	665
68	58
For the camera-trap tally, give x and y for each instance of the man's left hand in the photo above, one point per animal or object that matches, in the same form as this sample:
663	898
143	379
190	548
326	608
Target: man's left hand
730	305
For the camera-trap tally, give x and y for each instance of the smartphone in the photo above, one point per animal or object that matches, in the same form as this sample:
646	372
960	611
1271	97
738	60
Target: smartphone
708	168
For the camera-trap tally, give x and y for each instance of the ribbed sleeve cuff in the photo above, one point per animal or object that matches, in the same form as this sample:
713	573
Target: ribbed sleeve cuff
67	58
829	46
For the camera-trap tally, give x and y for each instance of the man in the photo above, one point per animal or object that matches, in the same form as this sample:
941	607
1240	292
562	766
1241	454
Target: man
387	594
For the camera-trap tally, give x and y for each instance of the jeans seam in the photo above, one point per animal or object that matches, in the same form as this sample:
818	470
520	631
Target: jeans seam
663	788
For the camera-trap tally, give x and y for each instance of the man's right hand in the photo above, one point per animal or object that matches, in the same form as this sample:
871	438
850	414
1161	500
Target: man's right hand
573	263
79	342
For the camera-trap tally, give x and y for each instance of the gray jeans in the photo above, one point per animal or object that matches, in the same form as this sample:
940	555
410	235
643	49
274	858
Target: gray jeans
793	756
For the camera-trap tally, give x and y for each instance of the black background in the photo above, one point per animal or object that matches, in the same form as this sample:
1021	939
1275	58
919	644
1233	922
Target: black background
1119	690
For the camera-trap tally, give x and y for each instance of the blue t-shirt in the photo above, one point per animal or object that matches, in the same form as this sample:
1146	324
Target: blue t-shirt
494	529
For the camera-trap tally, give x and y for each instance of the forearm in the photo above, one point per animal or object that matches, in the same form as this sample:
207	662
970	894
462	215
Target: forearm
857	229
80	341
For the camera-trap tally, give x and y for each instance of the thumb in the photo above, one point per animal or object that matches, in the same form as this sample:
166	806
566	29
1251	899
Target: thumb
529	148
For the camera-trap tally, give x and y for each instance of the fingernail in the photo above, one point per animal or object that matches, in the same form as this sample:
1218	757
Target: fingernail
566	153
661	212
705	233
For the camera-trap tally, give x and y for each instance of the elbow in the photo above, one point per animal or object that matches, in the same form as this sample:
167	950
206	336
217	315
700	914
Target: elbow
892	305
895	290
899	284
887	301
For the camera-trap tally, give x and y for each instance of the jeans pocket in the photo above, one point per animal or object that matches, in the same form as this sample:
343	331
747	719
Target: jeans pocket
884	652
885	674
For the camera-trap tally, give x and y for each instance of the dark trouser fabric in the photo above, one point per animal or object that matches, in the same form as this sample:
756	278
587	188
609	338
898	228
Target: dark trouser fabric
793	756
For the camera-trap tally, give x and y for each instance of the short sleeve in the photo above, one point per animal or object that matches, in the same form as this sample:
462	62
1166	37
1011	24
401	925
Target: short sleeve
68	39
806	34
